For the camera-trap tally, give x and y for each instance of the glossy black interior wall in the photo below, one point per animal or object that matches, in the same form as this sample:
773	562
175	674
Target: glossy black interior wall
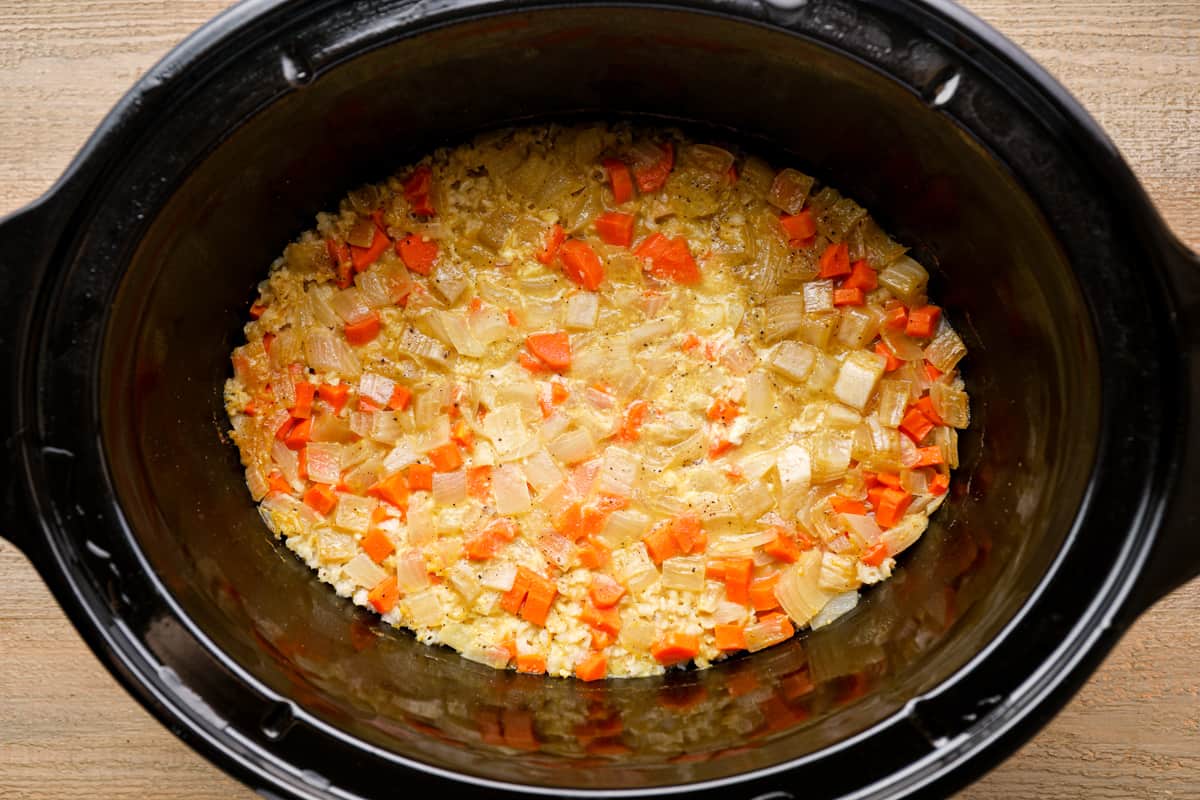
998	269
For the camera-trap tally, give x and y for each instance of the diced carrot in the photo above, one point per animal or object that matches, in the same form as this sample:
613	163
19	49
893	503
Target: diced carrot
401	396
482	546
715	569
277	483
688	533
922	322
737	579
889	479
939	483
530	363
416	191
615	228
874	494
377	545
916	425
392	489
730	637
304	397
848	297
835	261
570	522
479	482
250	409
782	626
558	391
334	394
724	410
601	639
581	264
668	259
720	448
762	593
893	363
892	505
367	404
605	591
511	600
420	477
799	228
594	553
298	436
446	458
531	663
554	349
874	555
782	547
929	456
660	543
592	668
343	266
675	647
285	428
538	601
320	498
462	434
383	595
604	619
549	249
925	404
364	257
689	342
651	178
844	505
364	330
620	180
257	310
861	277
631	423
895	315
417	254
512	318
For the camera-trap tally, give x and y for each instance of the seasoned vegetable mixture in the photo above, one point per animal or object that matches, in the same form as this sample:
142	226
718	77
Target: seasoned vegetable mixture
597	401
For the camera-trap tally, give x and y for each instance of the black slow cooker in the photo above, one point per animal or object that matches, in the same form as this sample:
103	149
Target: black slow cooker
124	289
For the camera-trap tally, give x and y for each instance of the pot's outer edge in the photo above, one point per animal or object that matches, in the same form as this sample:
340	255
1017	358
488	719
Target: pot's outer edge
41	223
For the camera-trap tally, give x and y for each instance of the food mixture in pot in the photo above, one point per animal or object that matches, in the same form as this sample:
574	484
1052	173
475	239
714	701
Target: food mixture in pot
598	401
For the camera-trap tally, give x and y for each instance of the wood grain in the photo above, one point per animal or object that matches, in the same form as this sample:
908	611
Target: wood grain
67	729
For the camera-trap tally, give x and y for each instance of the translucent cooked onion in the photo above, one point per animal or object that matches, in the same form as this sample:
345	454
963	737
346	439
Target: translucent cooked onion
256	482
499	575
950	404
904	347
789	190
335	546
767	632
573	446
625	526
324	462
424	608
653	330
376	388
798	591
287	461
752	500
738	357
506	429
713	160
818	296
363	571
543	472
458	333
742	544
462	578
583	309
858	326
727	613
906	279
794	360
375	287
422	529
326	352
450	488
421	346
856	379
319	305
839	572
760	396
488	325
946	349
618	473
632	566
354	513
350	305
637	635
903	534
837	606
509	489
785	314
684	573
894	397
557	549
435	436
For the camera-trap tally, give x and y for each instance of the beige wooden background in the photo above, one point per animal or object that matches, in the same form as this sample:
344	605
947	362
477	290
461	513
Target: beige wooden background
68	730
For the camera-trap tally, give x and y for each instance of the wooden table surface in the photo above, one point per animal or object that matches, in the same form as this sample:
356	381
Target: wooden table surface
68	730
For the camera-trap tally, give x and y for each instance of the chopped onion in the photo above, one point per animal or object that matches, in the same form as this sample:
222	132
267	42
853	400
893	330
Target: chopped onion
363	571
738	357
905	348
376	388
326	352
767	632
488	325
755	466
904	533
424	608
284	389
450	488
257	482
950	404
400	456
499	575
318	303
633	567
354	512
654	330
328	428
437	435
893	402
817	329
637	635
914	481
422	529
364	476
906	279
837	606
422	346
785	314
947	439
619	471
823	374
856	379
830	456
450	281
376	287
742	544
839	573
818	296
789	190
713	160
334	546
412	573
946	349
324	461
858	326
600	399
350	305
625	526
760	396
557	549
462	578
798	591
454	326
543	472
727	613
287	460
752	500
510	490
684	573
506	428
388	427
573	446
583	309
362	422
793	359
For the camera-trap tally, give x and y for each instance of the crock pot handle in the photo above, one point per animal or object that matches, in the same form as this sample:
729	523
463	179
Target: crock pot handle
1175	556
24	253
